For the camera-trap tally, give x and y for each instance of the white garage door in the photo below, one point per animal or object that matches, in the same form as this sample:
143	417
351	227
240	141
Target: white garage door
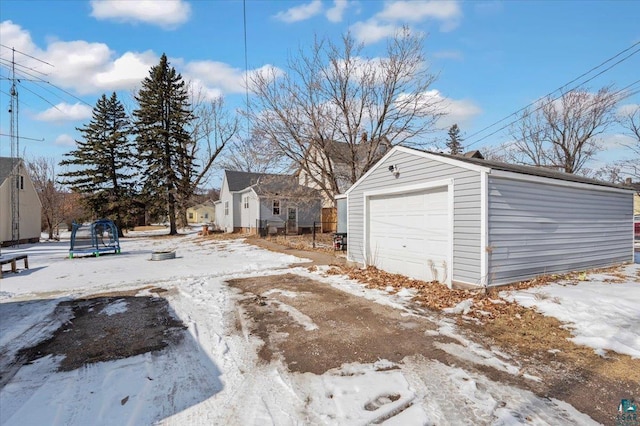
408	234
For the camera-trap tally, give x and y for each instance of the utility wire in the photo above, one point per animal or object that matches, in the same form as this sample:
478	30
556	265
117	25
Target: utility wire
37	80
246	63
542	104
25	54
626	95
8	62
41	97
559	89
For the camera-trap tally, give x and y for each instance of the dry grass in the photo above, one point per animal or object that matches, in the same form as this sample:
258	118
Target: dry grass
149	228
514	328
323	243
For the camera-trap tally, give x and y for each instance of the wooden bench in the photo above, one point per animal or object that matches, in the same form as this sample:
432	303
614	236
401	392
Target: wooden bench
4	260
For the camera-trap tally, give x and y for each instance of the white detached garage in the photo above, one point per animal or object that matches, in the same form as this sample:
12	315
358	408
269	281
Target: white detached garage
468	221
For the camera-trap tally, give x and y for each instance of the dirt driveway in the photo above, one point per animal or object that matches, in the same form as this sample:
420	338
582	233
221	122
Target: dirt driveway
313	327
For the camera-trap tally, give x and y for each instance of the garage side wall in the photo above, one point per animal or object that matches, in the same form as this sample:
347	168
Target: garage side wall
536	228
414	170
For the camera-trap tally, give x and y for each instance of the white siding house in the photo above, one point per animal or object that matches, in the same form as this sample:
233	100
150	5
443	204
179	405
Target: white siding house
15	182
254	200
472	222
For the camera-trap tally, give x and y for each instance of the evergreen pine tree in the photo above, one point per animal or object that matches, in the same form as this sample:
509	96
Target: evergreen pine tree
161	121
103	165
454	143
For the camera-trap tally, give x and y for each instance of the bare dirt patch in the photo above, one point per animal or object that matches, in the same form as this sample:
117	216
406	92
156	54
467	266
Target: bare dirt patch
107	328
573	373
328	327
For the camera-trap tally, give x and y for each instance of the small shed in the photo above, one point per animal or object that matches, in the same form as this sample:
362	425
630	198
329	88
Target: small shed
467	221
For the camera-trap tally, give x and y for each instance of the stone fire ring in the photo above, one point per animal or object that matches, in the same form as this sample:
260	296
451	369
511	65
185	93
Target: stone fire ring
163	255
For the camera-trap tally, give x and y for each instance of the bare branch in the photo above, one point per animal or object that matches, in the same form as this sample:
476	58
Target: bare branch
336	112
564	133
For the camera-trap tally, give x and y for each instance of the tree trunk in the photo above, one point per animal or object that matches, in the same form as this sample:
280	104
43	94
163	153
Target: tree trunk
173	229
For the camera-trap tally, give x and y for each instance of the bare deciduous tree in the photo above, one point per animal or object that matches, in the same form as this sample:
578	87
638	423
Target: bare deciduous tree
630	120
42	171
563	133
212	127
255	154
336	108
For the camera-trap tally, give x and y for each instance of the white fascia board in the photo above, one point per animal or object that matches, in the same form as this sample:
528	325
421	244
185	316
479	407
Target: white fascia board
247	189
557	182
372	169
409	188
433	157
484	228
340	196
446	160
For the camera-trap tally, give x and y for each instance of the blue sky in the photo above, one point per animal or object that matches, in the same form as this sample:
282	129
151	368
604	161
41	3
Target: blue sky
492	57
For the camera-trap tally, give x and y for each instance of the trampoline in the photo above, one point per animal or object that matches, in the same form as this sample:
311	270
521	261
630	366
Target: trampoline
94	238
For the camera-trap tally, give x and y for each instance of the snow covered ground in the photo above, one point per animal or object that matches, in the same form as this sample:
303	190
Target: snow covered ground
215	376
600	312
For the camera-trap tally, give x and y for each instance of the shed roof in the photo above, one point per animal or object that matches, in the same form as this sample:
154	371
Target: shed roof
528	170
237	181
6	166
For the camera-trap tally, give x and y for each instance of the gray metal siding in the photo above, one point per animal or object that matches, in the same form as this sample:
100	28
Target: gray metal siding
415	169
536	228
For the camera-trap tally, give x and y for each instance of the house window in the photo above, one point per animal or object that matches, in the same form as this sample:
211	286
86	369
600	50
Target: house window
206	215
276	208
190	215
226	208
246	202
20	182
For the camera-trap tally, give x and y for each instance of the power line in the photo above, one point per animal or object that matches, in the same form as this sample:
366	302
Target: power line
6	61
558	89
26	54
626	95
246	63
23	137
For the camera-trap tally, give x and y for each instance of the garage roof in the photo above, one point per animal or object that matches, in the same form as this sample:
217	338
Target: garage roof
528	170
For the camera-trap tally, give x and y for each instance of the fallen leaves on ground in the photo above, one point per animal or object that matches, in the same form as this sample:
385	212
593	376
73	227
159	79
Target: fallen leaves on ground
487	303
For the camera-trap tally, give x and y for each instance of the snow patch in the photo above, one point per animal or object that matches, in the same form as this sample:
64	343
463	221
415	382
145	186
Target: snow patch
602	315
117	307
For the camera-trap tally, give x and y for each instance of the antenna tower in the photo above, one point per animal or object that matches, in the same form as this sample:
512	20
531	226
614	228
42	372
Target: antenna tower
16	179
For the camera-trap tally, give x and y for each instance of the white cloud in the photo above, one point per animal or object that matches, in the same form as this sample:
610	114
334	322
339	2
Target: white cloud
93	68
216	73
126	72
615	141
416	11
626	110
200	90
335	13
222	76
65	140
164	13
372	31
458	111
395	14
65	112
300	13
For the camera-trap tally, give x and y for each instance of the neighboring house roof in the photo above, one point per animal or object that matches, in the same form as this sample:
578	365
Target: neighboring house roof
269	185
342	152
287	185
208	203
527	170
6	167
237	181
